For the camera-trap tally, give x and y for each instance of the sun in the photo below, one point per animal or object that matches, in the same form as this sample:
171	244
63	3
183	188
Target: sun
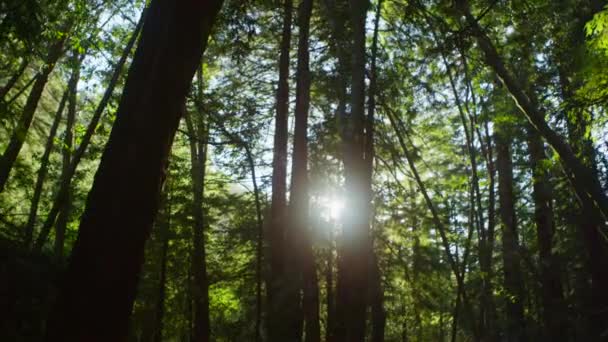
331	207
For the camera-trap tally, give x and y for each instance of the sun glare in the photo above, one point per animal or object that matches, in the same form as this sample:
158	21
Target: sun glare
333	207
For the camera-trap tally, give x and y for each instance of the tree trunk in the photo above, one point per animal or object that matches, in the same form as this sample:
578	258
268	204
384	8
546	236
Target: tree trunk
68	141
329	292
259	247
489	330
98	289
164	226
18	138
299	201
42	171
66	181
378	314
284	323
198	157
353	262
513	281
555	322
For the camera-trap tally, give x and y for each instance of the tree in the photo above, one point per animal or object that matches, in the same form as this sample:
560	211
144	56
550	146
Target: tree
299	201
97	291
284	316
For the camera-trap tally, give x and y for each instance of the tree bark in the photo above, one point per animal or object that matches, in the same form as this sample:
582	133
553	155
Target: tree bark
68	142
66	181
43	171
284	322
513	280
98	289
18	137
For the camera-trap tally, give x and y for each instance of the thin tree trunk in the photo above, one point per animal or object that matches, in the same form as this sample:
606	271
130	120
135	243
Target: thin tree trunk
164	227
43	171
378	314
198	157
68	141
299	201
513	281
14	78
284	323
66	182
259	247
329	292
98	289
18	137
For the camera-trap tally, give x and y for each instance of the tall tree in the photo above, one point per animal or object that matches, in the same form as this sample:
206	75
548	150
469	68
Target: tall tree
513	279
376	292
197	131
284	312
299	201
353	259
98	288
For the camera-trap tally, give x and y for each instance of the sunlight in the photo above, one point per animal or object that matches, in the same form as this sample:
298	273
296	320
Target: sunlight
332	207
335	208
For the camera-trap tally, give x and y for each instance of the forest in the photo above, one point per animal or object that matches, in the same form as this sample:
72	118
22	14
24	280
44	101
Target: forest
304	171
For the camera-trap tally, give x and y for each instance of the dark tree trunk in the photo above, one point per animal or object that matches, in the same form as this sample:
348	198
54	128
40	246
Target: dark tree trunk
18	137
98	289
43	171
299	201
354	257
68	141
555	323
513	281
14	78
66	180
198	157
284	323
